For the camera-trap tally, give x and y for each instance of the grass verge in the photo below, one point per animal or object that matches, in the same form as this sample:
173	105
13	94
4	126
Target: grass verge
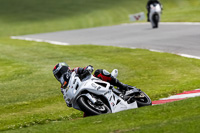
31	95
38	16
171	117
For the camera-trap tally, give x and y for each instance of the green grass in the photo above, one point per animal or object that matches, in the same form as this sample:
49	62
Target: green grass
168	118
36	16
29	94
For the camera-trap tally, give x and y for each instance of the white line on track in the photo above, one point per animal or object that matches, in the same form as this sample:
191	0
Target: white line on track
189	56
180	23
39	40
166	23
183	55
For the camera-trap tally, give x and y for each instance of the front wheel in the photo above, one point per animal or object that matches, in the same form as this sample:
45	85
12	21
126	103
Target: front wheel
92	109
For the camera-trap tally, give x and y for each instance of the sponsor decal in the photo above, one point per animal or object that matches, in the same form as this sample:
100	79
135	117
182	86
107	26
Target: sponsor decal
113	104
99	87
110	98
65	83
74	81
106	93
114	97
67	88
94	85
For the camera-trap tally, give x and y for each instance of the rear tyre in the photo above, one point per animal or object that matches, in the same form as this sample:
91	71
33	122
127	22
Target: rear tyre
156	20
139	96
92	109
142	99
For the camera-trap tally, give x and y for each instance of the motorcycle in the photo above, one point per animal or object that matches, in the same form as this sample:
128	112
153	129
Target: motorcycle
94	96
155	14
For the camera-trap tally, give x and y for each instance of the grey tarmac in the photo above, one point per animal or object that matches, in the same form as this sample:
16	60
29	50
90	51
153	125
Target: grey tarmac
178	38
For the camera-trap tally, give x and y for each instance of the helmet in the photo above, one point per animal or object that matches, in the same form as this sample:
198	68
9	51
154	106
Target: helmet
62	73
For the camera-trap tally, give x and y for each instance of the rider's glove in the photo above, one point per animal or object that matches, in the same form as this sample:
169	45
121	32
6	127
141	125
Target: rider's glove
84	74
89	68
87	71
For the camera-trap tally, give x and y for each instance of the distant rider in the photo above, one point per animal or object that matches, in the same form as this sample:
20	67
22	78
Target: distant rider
148	6
62	73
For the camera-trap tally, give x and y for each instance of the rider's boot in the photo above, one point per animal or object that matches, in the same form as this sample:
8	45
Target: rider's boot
114	73
122	87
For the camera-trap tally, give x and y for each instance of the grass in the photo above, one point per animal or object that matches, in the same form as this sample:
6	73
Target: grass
38	16
171	117
30	95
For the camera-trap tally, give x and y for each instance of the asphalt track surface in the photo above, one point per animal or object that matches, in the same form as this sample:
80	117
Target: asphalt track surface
178	38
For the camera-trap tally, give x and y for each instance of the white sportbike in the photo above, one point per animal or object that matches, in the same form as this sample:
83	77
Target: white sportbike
94	96
155	14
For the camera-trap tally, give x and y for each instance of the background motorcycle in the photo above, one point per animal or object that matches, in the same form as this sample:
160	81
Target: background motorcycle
155	14
94	96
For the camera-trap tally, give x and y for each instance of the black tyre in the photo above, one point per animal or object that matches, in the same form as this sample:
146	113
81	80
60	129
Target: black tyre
142	99
156	20
92	109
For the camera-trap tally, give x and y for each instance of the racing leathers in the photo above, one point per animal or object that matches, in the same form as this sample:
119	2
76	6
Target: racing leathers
99	73
148	7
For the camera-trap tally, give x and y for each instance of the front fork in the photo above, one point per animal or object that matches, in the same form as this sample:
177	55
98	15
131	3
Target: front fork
89	96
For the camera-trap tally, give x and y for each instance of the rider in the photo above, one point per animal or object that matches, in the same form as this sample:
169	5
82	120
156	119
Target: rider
148	6
62	73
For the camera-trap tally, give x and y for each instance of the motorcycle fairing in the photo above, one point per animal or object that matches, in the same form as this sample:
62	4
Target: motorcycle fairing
95	86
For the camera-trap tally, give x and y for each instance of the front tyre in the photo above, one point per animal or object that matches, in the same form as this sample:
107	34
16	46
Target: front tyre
92	109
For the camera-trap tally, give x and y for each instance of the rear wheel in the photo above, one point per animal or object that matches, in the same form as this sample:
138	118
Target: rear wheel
139	96
142	99
156	20
92	109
